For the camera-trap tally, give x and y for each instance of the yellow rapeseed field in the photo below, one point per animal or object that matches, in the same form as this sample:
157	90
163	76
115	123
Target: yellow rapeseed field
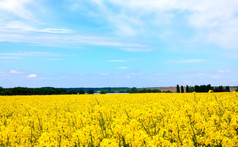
191	119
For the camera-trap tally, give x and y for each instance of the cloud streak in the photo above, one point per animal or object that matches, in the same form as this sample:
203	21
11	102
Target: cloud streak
32	76
123	67
30	54
214	21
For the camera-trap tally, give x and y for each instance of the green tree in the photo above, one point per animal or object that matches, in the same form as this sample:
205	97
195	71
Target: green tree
178	90
155	91
81	91
90	91
187	89
227	89
72	92
134	90
197	88
182	89
103	92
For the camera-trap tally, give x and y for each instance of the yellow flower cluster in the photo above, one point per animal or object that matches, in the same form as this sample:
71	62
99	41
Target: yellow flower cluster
164	119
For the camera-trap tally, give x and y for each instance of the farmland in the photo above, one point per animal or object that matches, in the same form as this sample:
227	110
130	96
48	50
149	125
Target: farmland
166	119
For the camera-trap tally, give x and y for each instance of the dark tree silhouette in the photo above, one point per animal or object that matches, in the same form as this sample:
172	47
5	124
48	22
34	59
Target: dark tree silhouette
103	92
227	89
90	91
81	91
182	89
187	89
178	90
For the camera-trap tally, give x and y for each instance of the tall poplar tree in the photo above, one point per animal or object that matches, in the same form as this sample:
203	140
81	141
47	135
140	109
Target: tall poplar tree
178	90
182	89
187	90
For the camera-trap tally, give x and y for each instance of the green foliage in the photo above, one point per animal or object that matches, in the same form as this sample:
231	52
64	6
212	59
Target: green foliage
134	90
219	89
72	92
103	92
31	91
187	89
178	90
90	91
203	88
144	90
191	89
182	89
81	91
227	89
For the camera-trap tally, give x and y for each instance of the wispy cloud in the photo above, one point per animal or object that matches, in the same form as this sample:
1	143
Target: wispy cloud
19	54
17	7
204	16
23	27
11	73
31	76
30	28
16	72
67	40
137	49
224	71
123	67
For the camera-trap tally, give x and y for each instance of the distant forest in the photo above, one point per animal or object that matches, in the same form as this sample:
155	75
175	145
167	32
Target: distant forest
57	91
203	88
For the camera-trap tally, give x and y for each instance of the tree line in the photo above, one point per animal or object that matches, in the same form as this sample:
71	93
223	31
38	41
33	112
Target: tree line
57	91
146	90
202	88
37	91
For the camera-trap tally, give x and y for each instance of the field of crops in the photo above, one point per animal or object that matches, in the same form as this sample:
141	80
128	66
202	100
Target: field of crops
192	119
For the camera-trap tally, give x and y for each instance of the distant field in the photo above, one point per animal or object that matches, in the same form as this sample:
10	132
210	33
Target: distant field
162	119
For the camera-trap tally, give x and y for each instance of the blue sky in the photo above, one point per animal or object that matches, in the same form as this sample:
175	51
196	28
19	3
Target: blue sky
118	43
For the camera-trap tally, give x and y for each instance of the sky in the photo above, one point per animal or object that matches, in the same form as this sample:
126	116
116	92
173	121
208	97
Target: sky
118	43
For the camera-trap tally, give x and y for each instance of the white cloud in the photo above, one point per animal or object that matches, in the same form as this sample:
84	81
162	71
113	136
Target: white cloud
32	76
11	73
28	27
123	67
224	71
23	27
16	72
18	54
64	40
215	21
17	7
